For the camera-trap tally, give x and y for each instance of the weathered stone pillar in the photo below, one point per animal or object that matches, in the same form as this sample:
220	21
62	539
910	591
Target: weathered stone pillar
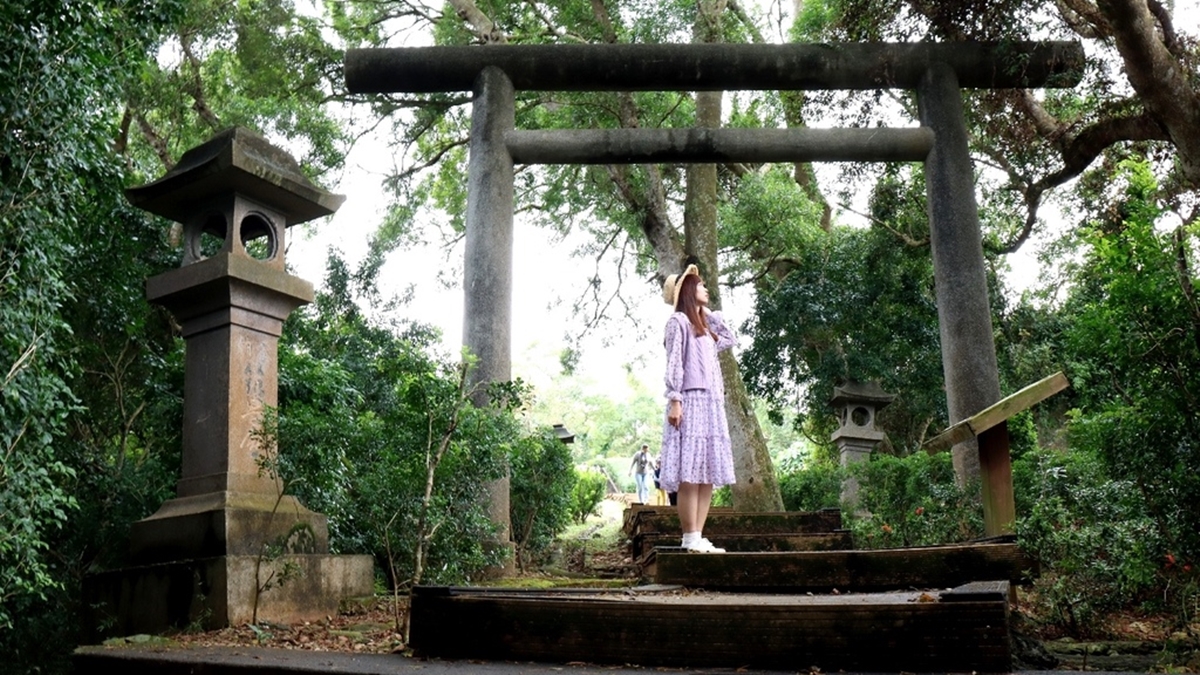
964	316
488	264
207	554
856	404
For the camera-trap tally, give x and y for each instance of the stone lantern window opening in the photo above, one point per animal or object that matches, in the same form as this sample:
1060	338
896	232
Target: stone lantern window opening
258	232
204	237
258	237
861	416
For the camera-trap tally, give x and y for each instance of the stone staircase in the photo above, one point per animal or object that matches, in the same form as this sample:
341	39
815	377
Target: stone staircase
651	529
792	593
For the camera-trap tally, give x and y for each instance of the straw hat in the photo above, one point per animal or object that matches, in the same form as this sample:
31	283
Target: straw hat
674	282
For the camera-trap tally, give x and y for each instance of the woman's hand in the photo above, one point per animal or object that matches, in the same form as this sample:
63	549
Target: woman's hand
675	413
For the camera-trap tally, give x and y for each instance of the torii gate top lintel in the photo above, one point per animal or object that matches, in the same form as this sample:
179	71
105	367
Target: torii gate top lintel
714	67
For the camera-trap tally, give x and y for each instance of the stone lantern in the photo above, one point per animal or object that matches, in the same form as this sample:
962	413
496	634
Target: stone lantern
563	434
230	547
856	404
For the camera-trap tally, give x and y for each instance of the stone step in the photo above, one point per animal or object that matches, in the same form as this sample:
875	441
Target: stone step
641	546
835	541
846	571
721	521
673	627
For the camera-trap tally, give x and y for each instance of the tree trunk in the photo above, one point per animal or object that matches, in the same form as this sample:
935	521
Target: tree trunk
756	489
1160	79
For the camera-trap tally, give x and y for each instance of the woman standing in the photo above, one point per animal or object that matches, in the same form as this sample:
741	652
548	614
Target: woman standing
696	452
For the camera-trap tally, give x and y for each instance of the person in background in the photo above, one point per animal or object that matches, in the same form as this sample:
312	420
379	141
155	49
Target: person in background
696	451
660	495
641	470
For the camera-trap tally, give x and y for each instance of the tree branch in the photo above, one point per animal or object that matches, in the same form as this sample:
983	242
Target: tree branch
485	29
739	12
195	85
1083	17
1161	80
156	142
1078	153
654	220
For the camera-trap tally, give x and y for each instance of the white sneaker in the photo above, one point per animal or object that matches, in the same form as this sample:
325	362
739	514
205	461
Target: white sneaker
703	545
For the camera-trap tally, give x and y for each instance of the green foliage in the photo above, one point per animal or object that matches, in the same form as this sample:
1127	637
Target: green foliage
784	440
1099	548
603	427
1134	348
61	72
856	305
93	98
913	501
1102	513
542	481
364	406
261	65
586	494
808	485
768	210
909	501
723	496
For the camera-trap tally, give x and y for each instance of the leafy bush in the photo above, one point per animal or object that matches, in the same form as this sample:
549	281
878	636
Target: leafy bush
366	409
913	501
808	485
1098	548
541	492
586	495
58	183
1109	519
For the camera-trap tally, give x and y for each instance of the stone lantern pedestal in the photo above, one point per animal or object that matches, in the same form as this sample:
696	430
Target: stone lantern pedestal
857	403
230	548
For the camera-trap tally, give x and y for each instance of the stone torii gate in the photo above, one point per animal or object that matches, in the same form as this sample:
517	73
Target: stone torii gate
936	72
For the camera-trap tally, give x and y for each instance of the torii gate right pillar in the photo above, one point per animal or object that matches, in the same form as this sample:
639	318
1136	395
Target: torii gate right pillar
964	319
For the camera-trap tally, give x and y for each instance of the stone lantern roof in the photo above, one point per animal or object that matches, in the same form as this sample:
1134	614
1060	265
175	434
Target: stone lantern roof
235	160
861	392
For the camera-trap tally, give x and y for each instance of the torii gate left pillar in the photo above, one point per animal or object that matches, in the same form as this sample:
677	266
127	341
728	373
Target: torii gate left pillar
488	263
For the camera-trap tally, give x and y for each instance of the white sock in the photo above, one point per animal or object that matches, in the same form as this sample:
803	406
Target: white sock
690	538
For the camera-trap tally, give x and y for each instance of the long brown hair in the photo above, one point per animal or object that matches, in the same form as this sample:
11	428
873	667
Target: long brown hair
686	303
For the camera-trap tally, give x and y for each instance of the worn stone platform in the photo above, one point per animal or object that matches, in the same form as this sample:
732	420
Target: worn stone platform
275	661
957	630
